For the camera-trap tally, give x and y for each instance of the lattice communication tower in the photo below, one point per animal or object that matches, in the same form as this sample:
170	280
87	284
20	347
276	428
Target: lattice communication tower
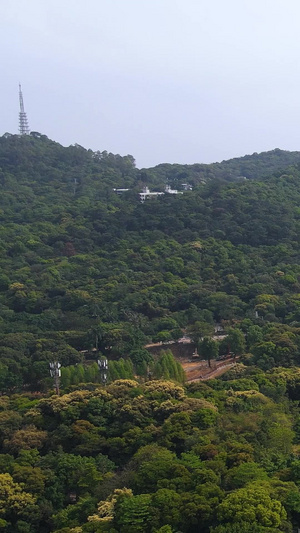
23	122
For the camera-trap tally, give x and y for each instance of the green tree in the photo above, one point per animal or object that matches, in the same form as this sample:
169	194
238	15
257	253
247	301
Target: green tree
252	504
236	341
134	514
209	349
14	502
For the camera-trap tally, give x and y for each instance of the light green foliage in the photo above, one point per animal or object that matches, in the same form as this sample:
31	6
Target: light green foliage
252	504
14	502
245	473
164	529
203	462
121	369
166	367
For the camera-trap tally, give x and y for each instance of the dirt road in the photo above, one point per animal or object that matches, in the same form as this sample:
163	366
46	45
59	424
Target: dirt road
200	371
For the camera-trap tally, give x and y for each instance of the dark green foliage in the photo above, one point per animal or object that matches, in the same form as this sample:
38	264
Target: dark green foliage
208	349
83	268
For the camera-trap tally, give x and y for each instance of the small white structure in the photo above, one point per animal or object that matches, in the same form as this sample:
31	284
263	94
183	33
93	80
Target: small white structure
146	194
171	191
184	340
195	355
218	329
120	191
186	187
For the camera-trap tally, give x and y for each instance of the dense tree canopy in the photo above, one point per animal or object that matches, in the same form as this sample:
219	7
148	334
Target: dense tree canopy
83	267
215	455
88	274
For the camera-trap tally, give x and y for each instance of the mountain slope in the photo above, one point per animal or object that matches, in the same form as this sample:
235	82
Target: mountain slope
255	166
83	267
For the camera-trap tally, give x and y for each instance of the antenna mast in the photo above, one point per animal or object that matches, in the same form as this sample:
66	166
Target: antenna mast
23	122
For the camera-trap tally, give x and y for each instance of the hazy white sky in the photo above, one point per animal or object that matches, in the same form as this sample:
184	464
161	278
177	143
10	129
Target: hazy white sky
165	80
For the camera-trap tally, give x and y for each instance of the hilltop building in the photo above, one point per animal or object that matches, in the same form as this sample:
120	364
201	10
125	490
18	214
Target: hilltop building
147	195
171	191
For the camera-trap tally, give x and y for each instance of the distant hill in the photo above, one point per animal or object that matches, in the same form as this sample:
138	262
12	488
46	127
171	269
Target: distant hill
103	169
255	166
43	162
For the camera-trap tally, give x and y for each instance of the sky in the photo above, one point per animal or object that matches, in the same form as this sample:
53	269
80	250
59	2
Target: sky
167	81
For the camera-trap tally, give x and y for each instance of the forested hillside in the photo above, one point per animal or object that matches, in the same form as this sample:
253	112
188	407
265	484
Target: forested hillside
156	457
255	166
83	268
87	273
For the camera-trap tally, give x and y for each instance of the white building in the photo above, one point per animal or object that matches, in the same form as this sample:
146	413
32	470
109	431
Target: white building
120	191
147	195
171	191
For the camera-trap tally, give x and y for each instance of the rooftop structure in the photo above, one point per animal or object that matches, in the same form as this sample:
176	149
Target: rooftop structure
146	194
171	191
120	191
